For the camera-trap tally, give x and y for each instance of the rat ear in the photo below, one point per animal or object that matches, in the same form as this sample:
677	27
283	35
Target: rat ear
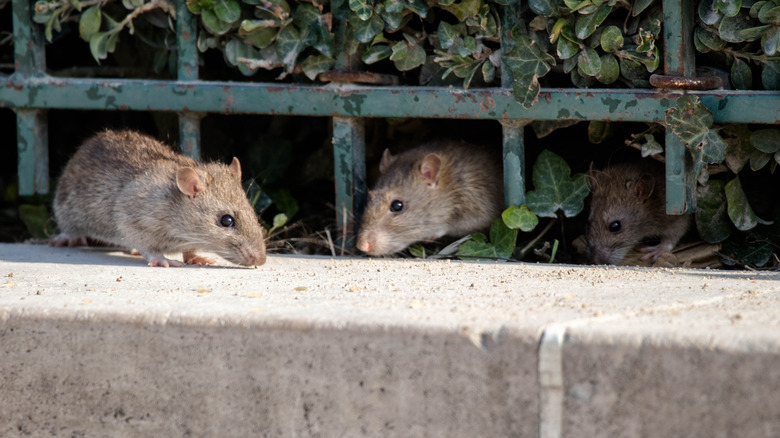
429	169
643	187
235	168
386	161
189	182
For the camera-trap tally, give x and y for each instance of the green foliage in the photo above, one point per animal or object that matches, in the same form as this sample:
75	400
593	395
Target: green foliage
500	246
555	189
745	34
100	24
35	218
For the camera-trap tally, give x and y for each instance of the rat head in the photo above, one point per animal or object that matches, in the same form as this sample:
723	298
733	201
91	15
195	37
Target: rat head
407	205
217	215
619	211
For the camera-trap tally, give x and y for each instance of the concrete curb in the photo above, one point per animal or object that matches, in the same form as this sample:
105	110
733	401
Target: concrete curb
94	343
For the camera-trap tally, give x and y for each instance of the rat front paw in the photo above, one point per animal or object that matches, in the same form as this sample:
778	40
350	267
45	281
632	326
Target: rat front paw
63	239
162	262
191	258
653	252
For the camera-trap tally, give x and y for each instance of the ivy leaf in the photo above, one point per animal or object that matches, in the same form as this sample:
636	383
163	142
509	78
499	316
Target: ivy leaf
365	31
739	210
464	9
544	8
376	53
520	218
407	54
448	35
690	120
651	146
89	23
738	151
712	220
527	63
361	8
289	44
555	189
501	245
751	254
314	65
587	24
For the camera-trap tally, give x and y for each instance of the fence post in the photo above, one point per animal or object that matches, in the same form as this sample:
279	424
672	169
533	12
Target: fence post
31	124
678	61
187	70
513	135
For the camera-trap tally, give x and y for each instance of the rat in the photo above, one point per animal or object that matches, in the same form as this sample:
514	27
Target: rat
627	210
436	189
128	189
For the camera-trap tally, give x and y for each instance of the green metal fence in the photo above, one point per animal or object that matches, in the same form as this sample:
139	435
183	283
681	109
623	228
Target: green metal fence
30	92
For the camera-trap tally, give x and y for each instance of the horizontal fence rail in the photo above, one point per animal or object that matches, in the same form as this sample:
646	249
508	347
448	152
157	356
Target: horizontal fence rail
364	101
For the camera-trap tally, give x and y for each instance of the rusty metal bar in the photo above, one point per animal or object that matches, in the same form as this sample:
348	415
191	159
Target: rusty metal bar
32	126
679	61
349	152
680	180
512	130
187	71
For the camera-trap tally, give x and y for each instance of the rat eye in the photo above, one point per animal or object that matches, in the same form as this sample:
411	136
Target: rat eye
227	221
396	206
614	227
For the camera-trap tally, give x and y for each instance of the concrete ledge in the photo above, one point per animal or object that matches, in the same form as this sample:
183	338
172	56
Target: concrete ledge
94	343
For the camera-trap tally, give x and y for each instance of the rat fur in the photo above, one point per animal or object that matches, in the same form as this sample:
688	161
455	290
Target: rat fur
627	209
437	189
128	189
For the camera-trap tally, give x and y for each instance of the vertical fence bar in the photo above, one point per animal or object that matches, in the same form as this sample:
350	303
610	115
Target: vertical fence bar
679	61
187	70
349	144
349	154
32	139
513	136
32	127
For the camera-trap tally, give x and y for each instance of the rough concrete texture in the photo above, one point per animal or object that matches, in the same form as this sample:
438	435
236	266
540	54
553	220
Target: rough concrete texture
95	343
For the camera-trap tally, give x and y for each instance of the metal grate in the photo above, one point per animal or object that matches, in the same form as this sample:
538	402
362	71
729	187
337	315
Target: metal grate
30	92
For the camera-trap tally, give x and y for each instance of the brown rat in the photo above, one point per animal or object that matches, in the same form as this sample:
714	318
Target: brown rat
628	208
437	189
128	189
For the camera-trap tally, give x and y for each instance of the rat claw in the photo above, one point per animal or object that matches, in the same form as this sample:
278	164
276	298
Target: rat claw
162	262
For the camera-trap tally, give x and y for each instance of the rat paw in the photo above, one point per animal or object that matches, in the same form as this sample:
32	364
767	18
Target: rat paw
653	252
162	262
63	239
191	258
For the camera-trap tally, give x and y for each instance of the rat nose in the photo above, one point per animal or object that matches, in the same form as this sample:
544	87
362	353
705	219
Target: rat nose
364	245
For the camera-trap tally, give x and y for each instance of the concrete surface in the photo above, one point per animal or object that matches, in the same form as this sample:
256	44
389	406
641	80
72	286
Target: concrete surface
95	343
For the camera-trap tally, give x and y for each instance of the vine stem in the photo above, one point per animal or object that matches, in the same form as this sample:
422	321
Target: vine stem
536	239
